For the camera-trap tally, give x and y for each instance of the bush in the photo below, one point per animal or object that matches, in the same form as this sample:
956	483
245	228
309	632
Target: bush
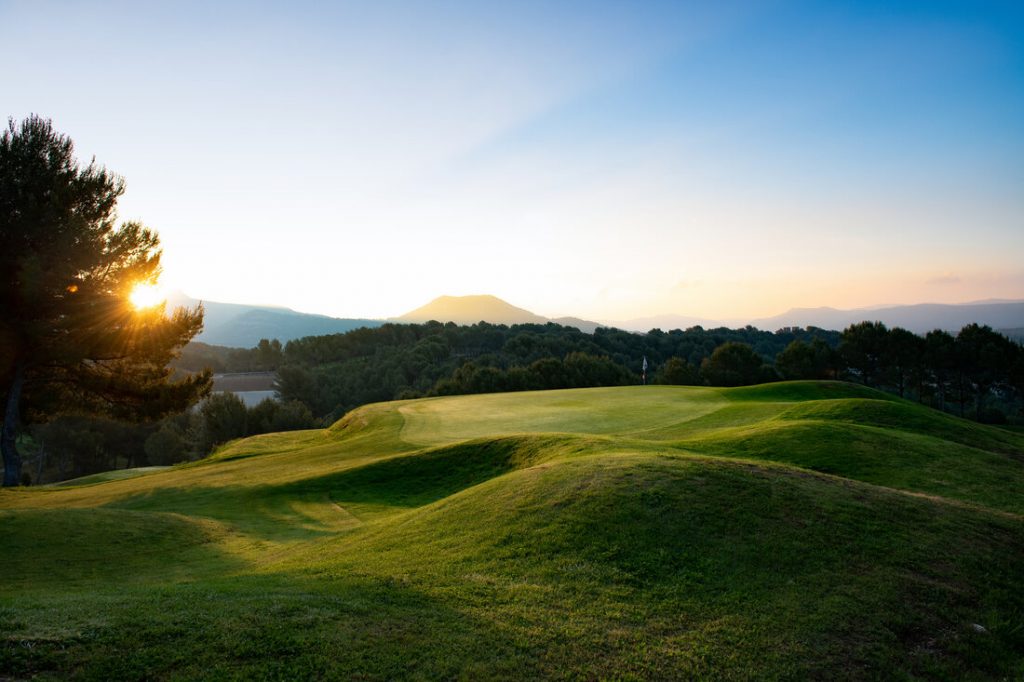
220	418
991	415
734	364
678	372
167	445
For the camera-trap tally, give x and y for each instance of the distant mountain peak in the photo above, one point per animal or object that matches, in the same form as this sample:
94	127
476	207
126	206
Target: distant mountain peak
470	310
484	308
239	325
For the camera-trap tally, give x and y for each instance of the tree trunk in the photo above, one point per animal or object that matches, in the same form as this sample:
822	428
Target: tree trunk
40	464
962	393
9	434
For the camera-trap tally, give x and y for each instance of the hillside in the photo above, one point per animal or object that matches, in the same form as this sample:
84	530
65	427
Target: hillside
242	326
919	318
485	308
797	530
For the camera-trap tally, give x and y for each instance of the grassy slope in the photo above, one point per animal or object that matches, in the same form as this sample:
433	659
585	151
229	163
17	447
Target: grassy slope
642	531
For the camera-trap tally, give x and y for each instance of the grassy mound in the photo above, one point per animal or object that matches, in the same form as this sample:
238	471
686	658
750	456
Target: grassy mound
105	476
906	416
62	549
693	567
888	457
796	530
801	391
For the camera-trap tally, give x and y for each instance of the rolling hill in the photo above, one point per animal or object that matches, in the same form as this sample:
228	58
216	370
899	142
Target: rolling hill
465	310
242	326
801	530
919	318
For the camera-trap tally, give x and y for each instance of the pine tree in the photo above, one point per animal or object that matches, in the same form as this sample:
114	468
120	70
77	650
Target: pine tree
70	341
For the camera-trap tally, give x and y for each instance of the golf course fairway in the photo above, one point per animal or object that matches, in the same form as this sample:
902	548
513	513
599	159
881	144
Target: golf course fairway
797	530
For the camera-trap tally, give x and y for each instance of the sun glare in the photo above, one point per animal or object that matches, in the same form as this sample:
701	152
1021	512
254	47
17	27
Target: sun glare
146	296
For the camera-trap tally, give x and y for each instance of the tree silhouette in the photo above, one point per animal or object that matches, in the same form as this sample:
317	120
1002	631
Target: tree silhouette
863	348
70	341
733	364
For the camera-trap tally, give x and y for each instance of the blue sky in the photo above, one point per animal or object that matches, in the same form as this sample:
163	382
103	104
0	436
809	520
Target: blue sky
607	160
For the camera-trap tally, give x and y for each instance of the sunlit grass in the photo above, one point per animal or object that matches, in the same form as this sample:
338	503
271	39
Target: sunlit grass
797	530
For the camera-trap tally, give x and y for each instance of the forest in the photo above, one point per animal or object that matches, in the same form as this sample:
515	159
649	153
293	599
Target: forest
976	373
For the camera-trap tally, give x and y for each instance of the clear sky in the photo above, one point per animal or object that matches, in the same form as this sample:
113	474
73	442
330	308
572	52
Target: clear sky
605	160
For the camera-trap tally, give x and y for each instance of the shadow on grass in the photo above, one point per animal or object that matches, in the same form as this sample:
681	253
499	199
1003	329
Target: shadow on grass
72	549
645	567
283	626
304	509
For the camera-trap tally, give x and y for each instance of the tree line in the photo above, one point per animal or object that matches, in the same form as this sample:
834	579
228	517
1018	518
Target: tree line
976	373
265	356
335	373
75	445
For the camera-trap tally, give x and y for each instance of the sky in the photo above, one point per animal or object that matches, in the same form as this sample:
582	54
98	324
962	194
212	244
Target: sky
608	160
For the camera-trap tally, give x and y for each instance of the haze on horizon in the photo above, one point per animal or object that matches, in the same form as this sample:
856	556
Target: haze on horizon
603	160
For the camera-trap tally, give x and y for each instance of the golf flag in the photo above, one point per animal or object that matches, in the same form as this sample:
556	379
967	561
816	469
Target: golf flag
645	363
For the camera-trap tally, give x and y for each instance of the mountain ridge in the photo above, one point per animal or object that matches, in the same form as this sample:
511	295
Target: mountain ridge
919	318
485	308
242	326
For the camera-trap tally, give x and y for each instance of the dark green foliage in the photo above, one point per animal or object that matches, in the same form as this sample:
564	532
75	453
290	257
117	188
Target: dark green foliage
678	372
577	370
333	374
218	419
270	416
77	446
904	358
69	339
863	349
802	360
940	365
985	360
266	356
734	364
970	369
167	445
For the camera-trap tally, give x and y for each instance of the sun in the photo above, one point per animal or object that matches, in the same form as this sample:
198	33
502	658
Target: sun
146	296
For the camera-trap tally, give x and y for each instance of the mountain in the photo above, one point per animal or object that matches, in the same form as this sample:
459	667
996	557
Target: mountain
470	310
242	326
485	308
585	326
666	322
920	318
1017	334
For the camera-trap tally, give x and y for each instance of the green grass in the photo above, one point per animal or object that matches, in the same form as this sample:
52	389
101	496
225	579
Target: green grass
788	531
114	475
